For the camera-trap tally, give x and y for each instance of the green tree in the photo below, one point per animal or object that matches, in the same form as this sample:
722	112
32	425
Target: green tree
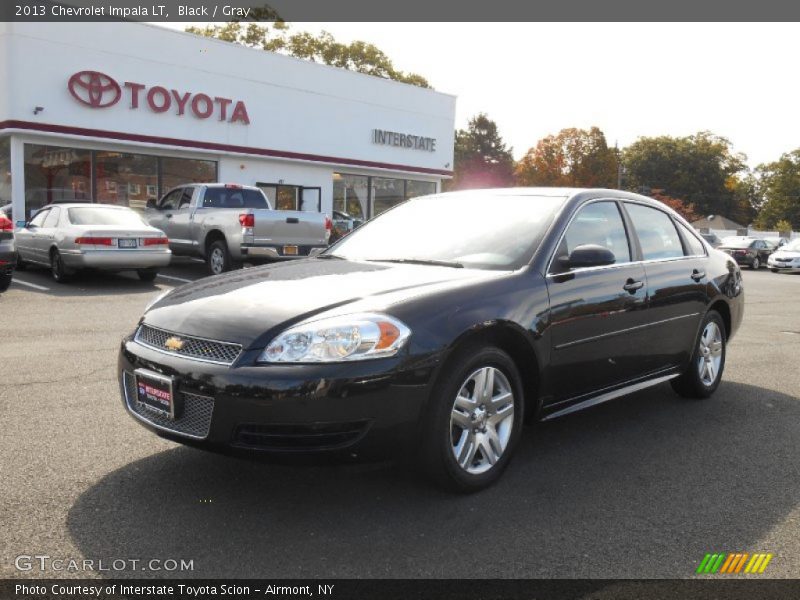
573	158
481	157
779	183
358	56
699	169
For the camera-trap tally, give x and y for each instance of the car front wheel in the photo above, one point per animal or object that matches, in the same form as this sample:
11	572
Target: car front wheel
704	372
475	421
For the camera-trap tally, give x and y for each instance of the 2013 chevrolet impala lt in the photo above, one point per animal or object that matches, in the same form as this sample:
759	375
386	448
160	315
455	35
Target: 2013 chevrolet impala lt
435	329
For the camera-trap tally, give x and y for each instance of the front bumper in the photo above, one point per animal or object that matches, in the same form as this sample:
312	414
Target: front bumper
116	259
369	408
788	267
275	252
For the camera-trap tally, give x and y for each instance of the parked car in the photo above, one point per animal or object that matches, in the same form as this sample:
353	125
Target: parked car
786	259
70	237
343	224
8	251
776	243
226	224
749	251
712	239
439	345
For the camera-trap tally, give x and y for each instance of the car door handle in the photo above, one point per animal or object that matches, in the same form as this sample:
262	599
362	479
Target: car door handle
292	220
698	275
632	285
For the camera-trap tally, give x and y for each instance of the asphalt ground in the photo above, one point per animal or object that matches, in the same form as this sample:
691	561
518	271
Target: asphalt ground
643	486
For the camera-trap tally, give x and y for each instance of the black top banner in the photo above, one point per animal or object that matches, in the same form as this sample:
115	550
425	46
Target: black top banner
396	11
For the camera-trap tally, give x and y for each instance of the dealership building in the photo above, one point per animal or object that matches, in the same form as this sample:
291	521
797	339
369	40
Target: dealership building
120	112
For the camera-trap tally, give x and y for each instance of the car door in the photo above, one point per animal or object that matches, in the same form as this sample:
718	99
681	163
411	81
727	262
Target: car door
26	238
677	285
180	221
46	234
595	312
160	217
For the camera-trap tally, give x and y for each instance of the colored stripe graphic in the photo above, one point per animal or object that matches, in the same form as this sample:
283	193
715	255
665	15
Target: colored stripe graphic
734	562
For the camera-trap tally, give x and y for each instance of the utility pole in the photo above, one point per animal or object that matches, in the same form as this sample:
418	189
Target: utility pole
619	166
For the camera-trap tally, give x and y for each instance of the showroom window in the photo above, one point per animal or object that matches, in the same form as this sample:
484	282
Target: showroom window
177	171
351	195
5	171
56	174
123	178
419	188
59	174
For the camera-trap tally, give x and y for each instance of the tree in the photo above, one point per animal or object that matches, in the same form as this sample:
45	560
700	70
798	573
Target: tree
779	182
358	56
481	157
682	208
696	168
572	158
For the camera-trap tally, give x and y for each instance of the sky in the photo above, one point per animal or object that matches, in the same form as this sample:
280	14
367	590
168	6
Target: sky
736	80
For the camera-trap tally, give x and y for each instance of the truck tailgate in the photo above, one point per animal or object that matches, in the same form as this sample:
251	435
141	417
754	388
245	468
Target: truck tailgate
284	227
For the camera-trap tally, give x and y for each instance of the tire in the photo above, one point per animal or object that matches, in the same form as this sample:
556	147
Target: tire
218	259
490	426
21	264
147	274
756	264
709	350
774	270
60	273
5	281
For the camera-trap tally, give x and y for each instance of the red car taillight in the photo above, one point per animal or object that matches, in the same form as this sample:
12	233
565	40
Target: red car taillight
156	241
328	223
247	220
6	224
97	241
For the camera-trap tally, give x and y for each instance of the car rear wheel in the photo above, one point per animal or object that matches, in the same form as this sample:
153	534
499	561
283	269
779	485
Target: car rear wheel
60	272
5	281
147	274
756	264
475	421
704	372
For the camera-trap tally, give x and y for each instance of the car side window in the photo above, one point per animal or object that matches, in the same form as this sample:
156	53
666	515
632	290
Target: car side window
170	201
38	220
52	218
186	198
598	223
695	247
656	232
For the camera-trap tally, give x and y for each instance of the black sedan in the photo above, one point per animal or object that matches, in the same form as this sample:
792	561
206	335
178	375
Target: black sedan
752	252
428	333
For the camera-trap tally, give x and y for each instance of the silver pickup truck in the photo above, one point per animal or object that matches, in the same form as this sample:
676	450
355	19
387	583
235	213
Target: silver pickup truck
227	224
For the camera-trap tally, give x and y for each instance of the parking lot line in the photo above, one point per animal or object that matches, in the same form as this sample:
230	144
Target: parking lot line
176	278
33	285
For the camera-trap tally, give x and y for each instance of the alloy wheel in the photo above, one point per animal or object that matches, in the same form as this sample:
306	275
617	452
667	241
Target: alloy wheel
481	420
709	353
217	260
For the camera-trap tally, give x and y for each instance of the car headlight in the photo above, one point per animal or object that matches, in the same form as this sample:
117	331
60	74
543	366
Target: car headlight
338	339
156	299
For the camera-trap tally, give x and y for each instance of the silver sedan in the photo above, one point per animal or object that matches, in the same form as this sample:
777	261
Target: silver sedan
70	237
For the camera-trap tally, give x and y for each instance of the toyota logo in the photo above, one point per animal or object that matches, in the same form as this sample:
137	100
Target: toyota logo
94	89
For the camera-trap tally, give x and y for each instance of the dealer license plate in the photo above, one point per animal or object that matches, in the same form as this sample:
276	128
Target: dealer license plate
127	243
155	392
290	250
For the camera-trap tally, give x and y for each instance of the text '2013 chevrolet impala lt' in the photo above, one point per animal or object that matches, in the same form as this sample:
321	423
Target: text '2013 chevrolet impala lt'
435	329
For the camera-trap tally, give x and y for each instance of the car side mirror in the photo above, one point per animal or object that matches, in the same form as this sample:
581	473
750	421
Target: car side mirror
151	203
21	224
588	255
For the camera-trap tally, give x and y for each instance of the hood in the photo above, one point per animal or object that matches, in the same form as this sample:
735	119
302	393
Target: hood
242	306
786	254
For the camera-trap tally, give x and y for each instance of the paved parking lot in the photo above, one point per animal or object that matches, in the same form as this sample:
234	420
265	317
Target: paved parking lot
640	487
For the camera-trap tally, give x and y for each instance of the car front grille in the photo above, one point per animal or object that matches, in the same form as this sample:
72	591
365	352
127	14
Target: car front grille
318	436
196	348
193	421
785	260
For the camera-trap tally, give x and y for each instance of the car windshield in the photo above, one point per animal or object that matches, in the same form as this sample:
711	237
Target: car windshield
793	246
735	242
472	229
99	215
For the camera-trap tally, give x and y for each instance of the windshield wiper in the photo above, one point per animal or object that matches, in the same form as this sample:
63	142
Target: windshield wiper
420	261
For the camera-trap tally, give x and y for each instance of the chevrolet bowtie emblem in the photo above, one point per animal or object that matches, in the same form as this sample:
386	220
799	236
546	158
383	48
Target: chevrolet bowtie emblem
173	343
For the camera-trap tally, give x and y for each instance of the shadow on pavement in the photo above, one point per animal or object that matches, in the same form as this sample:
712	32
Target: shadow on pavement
640	487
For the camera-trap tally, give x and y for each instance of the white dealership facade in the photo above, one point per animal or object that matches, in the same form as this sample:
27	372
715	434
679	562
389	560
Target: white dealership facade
120	112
